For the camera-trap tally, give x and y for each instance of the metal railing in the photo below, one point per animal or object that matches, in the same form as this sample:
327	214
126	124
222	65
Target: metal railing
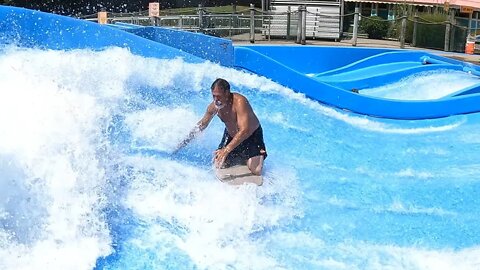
250	23
449	33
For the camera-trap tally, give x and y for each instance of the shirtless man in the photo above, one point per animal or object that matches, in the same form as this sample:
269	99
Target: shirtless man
242	141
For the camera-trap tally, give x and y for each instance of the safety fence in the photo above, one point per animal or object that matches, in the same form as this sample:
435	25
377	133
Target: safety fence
297	24
249	24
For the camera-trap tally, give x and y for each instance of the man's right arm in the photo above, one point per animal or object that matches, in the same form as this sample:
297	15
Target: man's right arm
200	126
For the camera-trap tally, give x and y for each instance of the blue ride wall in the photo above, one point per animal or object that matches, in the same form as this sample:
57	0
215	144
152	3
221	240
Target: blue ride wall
217	50
34	29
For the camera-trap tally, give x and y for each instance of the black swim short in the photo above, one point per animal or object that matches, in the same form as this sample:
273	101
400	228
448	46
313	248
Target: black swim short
250	147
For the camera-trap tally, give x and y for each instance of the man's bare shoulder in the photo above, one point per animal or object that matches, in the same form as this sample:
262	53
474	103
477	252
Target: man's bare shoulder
239	98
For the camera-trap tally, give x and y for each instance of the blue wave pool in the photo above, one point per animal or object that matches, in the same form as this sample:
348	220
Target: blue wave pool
86	181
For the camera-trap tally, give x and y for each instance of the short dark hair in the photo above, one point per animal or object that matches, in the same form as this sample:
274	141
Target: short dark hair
222	84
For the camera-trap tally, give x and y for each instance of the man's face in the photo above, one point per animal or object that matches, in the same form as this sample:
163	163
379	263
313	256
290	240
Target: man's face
220	97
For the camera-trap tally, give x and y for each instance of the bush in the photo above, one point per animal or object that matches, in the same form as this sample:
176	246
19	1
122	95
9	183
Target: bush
375	27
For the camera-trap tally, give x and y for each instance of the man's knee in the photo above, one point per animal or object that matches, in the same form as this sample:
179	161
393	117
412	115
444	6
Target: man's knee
257	170
255	165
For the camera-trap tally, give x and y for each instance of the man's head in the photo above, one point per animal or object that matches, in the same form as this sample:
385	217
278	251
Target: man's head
220	92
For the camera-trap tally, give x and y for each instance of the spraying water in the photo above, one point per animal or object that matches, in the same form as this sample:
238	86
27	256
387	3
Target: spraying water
85	169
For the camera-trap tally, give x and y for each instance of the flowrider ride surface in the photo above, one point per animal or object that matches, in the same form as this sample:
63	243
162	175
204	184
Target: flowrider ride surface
237	175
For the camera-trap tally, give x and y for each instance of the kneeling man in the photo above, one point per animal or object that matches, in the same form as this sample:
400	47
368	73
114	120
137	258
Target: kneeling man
242	142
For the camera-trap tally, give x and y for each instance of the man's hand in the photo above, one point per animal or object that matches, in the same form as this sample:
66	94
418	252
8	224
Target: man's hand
220	155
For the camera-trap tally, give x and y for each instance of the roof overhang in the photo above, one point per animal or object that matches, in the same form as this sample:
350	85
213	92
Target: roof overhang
414	3
453	3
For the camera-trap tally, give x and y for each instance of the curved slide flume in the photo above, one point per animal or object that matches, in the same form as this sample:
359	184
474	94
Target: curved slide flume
474	89
248	58
388	57
384	68
381	74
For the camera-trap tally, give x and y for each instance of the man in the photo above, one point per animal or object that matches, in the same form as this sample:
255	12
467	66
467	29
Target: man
242	141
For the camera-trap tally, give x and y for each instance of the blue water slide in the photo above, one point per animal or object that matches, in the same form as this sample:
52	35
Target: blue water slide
404	58
380	75
384	68
474	89
278	65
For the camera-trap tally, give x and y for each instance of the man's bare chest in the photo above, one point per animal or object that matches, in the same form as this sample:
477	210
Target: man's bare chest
229	118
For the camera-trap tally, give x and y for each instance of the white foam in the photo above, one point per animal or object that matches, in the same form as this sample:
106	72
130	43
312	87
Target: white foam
394	257
463	172
411	173
51	129
213	220
280	119
366	123
160	128
427	150
425	85
341	202
308	251
469	137
398	206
